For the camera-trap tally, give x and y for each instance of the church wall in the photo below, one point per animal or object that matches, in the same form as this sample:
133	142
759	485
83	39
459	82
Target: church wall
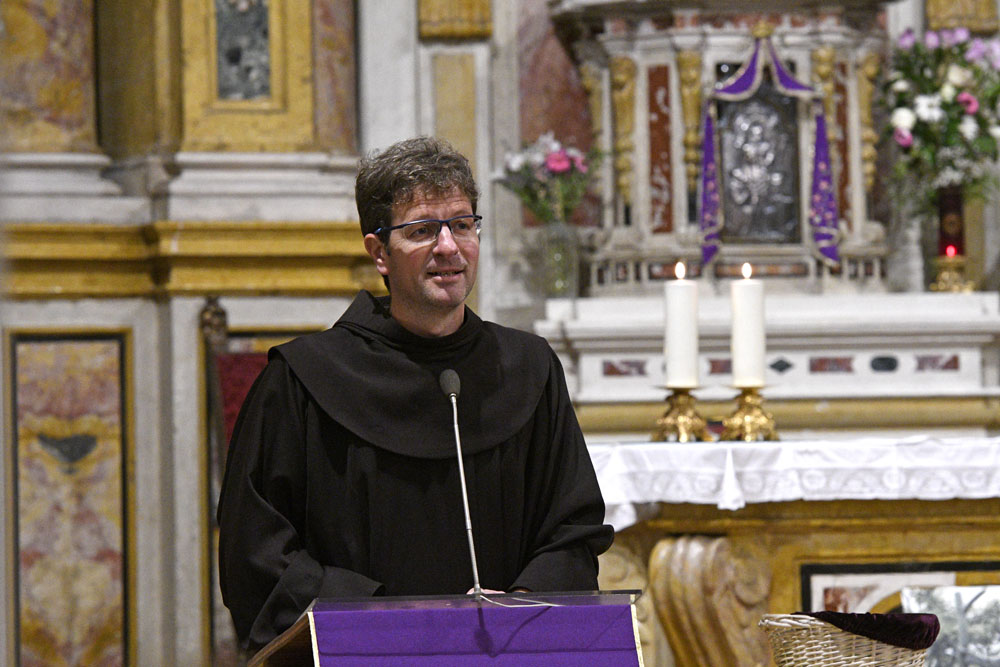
129	233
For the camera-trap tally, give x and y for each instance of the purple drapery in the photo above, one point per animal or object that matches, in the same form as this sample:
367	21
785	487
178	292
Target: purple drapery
710	218
823	214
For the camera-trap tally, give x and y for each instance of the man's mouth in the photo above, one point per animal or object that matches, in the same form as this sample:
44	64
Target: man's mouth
447	273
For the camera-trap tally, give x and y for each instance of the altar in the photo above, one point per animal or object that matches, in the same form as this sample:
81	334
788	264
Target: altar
718	534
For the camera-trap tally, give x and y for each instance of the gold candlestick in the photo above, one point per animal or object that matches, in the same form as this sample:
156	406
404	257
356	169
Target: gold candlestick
749	422
681	422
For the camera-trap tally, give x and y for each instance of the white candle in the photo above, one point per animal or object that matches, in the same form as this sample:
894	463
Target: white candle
747	343
680	342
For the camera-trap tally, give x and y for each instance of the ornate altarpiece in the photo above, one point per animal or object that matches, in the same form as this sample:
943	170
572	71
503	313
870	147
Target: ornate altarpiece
650	69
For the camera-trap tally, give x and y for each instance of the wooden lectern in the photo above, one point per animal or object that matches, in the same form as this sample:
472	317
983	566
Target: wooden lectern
591	629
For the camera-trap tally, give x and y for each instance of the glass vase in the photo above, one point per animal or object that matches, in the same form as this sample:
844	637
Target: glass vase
560	260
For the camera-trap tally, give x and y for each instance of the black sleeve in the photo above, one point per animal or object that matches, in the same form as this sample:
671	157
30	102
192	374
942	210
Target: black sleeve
266	574
564	500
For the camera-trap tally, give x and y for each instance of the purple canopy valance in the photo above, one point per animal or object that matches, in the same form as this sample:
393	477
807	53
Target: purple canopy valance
823	215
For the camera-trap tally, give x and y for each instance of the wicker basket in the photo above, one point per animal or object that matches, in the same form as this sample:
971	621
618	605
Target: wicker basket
800	641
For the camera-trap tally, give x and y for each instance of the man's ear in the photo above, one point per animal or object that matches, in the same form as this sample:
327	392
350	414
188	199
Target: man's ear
378	253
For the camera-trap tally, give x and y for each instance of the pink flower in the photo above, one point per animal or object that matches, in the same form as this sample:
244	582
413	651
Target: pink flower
558	162
932	40
903	137
968	101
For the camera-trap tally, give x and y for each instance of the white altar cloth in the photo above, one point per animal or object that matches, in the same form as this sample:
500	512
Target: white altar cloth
634	477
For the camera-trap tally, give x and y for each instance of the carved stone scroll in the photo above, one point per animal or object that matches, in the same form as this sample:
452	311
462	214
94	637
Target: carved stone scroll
710	596
689	69
623	71
867	75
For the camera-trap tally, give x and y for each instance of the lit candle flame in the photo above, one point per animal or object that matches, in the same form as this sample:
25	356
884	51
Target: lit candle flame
747	270
680	271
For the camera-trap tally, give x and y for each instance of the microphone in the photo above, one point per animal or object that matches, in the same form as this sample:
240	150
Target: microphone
451	385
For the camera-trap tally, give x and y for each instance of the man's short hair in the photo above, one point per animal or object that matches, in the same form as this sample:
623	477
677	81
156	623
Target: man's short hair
396	175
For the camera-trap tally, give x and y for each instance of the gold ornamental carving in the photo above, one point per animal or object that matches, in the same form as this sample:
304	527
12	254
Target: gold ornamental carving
689	68
823	60
709	596
979	16
590	77
455	19
623	72
867	78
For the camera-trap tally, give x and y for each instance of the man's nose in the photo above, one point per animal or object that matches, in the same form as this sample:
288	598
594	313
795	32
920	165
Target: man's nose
445	242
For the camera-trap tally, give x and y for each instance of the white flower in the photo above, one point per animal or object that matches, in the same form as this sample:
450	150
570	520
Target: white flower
547	143
958	76
994	131
948	176
900	86
969	128
928	108
948	92
515	161
903	118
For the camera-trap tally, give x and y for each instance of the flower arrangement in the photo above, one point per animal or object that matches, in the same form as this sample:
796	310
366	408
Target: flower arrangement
941	95
549	178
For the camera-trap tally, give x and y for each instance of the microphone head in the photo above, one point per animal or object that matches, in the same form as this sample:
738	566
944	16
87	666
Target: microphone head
450	384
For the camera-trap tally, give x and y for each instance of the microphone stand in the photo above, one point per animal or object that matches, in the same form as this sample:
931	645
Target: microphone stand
477	589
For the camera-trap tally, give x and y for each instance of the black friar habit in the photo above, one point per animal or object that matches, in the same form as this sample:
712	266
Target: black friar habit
342	478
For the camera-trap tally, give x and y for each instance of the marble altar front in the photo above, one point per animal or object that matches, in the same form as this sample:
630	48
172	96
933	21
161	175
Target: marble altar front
719	534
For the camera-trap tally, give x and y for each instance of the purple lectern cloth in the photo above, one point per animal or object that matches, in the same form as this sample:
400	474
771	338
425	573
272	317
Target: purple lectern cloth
450	631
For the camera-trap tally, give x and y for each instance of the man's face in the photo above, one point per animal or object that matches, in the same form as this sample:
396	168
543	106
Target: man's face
430	280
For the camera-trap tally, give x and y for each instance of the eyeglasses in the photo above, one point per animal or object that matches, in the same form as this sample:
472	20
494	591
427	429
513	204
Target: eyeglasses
421	232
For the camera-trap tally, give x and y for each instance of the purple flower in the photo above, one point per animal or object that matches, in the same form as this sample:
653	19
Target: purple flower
993	52
960	35
931	39
907	39
948	38
976	50
902	137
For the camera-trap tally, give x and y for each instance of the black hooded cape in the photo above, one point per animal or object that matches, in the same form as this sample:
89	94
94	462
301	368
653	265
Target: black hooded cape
342	479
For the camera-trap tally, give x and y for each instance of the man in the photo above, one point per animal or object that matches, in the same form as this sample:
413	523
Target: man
342	478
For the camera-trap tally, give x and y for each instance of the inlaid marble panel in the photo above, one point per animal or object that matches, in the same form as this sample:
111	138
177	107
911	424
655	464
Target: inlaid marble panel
47	75
840	152
69	458
335	75
660	186
243	55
